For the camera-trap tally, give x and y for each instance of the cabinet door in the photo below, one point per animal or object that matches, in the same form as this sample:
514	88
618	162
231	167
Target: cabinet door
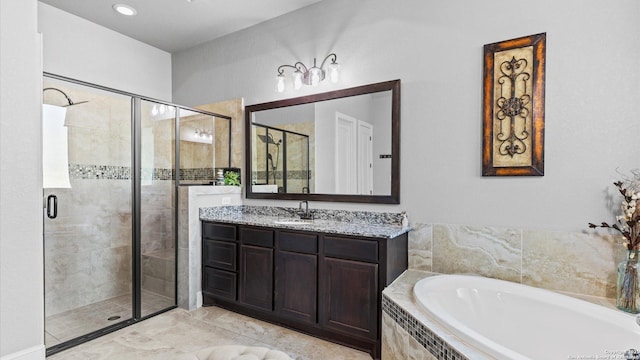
219	283
256	276
350	297
219	254
296	286
218	231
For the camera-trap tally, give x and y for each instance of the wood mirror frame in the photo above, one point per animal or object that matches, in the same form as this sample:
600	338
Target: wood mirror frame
393	198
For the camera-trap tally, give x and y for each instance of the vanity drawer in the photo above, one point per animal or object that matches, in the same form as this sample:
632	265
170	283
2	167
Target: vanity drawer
257	237
219	283
351	249
219	231
298	242
219	254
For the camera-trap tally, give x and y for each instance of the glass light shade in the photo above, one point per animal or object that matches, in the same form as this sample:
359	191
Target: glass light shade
334	72
315	75
297	80
124	9
280	83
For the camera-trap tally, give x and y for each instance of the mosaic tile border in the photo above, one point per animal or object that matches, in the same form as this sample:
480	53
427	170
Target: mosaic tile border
291	174
427	338
197	174
111	172
99	172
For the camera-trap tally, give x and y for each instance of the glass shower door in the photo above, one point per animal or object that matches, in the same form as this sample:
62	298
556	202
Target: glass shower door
88	215
110	189
157	207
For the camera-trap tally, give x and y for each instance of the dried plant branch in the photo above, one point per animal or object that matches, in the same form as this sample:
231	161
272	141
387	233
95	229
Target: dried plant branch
629	221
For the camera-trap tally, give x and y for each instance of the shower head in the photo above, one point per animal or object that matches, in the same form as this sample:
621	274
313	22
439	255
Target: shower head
71	103
268	139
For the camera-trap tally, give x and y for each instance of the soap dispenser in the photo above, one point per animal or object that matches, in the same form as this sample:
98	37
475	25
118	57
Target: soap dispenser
405	220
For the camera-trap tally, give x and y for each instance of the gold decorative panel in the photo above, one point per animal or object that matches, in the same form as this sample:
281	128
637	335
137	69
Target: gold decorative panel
513	113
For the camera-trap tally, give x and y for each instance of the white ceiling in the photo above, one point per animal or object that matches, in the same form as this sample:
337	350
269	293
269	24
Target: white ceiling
174	25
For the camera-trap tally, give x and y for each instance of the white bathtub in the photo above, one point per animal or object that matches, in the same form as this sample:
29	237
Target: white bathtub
511	321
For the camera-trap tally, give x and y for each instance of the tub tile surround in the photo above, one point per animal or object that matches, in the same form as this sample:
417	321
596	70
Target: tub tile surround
581	264
406	326
398	344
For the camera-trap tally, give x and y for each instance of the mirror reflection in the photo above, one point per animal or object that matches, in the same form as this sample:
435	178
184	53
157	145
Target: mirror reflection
204	147
281	160
340	143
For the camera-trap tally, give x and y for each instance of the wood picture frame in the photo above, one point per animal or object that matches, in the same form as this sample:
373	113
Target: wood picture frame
513	107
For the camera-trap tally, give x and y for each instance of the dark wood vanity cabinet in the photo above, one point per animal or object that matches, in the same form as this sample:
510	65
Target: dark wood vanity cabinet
256	262
219	260
296	286
322	284
351	291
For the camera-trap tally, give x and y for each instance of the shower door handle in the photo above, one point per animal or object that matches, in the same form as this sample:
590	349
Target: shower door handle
52	209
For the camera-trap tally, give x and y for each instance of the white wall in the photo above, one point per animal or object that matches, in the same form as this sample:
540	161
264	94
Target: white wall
325	131
82	50
70	47
435	48
21	279
380	114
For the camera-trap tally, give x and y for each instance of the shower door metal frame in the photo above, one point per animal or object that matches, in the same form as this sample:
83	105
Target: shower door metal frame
284	155
136	245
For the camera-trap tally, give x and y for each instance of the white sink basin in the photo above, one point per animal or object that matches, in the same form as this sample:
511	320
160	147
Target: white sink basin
293	222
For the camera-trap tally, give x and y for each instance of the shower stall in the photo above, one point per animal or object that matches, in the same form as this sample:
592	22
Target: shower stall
282	160
112	164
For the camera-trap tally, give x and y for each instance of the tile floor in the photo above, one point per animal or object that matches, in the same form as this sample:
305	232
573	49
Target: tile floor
178	334
77	322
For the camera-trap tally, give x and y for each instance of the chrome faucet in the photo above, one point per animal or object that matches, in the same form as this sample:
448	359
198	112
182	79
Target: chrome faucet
305	215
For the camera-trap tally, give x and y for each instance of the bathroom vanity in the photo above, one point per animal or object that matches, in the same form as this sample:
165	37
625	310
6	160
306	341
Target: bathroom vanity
322	277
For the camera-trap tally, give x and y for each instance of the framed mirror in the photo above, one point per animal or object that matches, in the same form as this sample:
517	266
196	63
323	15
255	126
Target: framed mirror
342	145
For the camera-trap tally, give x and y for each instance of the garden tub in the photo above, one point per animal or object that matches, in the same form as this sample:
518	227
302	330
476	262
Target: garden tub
507	320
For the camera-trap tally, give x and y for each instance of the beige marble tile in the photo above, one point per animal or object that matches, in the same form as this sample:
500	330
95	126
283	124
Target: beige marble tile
575	262
179	334
486	251
85	319
300	346
121	229
397	344
241	324
233	108
420	247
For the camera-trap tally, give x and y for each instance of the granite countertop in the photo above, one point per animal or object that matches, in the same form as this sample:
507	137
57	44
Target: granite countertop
357	223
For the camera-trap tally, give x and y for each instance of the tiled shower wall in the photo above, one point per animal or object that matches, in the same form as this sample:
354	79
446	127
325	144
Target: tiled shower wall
88	246
580	262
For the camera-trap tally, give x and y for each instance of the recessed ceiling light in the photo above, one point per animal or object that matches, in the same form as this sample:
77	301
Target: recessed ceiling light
124	9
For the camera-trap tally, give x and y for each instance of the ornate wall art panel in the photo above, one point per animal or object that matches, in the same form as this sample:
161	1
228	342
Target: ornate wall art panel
513	107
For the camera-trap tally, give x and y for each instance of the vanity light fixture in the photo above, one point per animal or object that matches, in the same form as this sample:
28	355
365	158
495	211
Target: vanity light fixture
124	9
158	109
205	134
309	76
